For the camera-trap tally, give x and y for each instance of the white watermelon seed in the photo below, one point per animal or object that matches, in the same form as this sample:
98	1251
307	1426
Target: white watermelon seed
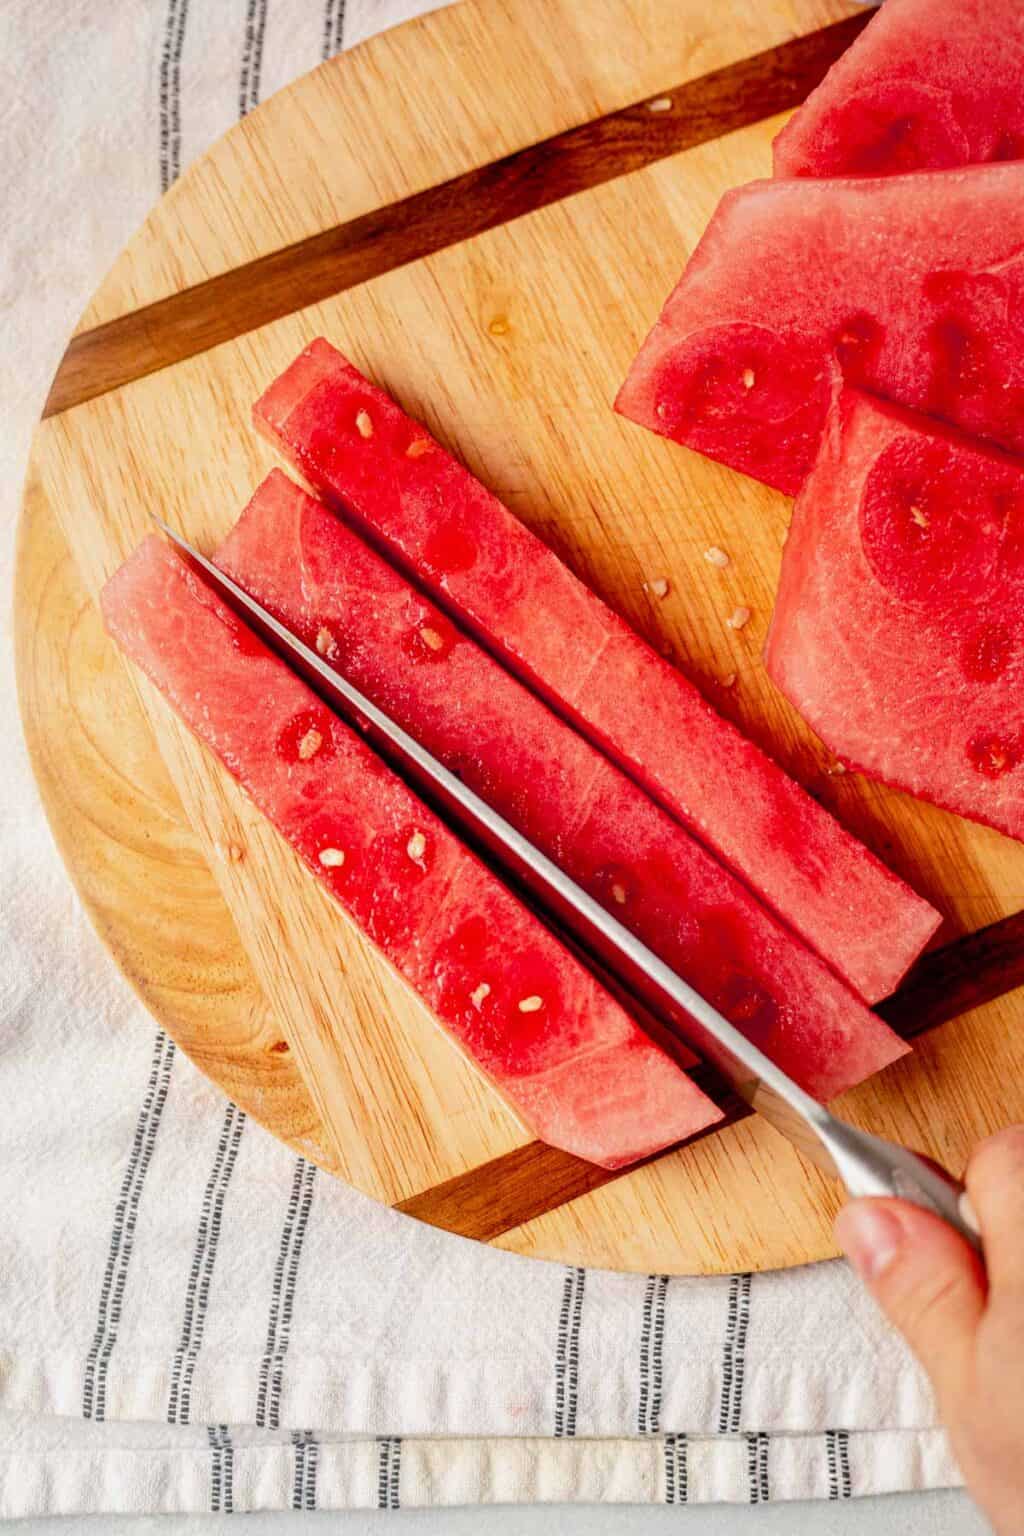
716	557
531	1004
364	426
326	643
479	993
416	847
738	617
431	638
310	744
331	858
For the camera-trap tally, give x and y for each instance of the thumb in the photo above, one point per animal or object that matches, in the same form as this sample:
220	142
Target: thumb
928	1281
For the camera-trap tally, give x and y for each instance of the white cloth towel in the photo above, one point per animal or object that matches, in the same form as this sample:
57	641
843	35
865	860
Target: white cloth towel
192	1318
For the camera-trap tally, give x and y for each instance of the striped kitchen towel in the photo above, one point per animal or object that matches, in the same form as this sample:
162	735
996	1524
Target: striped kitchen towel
192	1317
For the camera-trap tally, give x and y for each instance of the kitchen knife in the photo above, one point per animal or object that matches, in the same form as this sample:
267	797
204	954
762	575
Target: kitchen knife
866	1164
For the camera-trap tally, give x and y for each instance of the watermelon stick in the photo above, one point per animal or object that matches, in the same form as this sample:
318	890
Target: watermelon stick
565	1055
328	586
429	514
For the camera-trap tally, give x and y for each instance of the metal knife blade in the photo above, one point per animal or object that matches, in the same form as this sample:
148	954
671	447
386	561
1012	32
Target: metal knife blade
749	1071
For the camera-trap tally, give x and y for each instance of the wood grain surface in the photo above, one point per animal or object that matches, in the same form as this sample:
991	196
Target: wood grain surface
493	258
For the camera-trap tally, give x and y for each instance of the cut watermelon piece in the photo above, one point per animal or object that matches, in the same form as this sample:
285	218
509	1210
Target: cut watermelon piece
560	1048
928	84
899	627
369	459
324	582
909	286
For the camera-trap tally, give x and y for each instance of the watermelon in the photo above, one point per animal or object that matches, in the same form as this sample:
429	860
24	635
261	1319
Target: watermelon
899	627
324	582
928	84
909	286
563	1052
429	514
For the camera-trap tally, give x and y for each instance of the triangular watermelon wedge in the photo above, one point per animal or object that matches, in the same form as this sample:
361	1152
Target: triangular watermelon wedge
389	477
910	286
899	627
326	583
927	84
561	1050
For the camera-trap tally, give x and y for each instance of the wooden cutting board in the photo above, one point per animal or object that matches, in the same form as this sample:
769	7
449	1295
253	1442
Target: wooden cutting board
485	210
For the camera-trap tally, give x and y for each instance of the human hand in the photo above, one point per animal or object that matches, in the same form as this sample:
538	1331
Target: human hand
965	1326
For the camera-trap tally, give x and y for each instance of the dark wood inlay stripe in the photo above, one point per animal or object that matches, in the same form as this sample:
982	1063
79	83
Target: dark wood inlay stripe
188	323
521	1185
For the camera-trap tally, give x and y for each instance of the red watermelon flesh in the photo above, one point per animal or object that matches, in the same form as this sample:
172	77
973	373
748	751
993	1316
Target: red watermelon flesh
909	286
899	627
572	1063
361	451
928	84
323	581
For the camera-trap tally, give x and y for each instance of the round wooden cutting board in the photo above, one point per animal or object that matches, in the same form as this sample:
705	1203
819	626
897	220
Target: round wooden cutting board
485	210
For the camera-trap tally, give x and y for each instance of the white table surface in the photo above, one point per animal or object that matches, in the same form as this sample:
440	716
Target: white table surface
928	1514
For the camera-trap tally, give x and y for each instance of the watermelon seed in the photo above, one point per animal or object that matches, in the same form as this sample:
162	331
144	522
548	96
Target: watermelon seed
479	993
431	638
331	858
748	378
738	618
918	517
364	426
660	104
716	557
836	770
326	643
729	681
619	894
416	847
234	853
659	586
310	744
499	326
418	447
532	1004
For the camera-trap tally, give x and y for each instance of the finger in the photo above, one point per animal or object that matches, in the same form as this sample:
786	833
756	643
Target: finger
995	1184
928	1281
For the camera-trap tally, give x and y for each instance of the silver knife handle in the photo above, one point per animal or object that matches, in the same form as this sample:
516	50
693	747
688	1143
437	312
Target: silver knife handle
869	1165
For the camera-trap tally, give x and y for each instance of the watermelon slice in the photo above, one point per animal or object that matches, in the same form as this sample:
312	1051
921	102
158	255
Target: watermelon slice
323	581
562	1051
399	486
899	627
909	286
928	84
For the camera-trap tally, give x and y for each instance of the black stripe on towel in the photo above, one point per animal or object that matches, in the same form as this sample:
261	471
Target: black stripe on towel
170	92
389	1468
122	1236
307	1451
282	1297
757	1468
652	1340
252	56
676	1470
204	1255
737	1323
837	1451
567	1351
222	1469
334	27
